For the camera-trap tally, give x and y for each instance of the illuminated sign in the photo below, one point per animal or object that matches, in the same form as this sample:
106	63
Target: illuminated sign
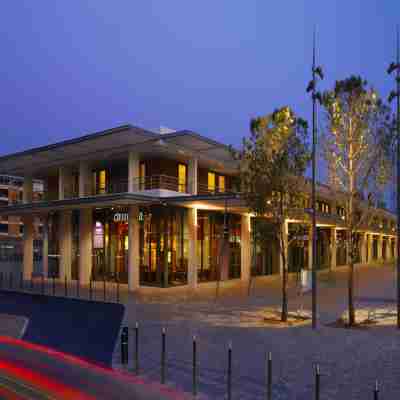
121	217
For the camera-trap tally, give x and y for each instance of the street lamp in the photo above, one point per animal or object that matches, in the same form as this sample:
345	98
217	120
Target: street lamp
394	68
317	73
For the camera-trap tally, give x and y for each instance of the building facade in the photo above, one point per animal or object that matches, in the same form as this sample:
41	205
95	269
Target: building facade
162	209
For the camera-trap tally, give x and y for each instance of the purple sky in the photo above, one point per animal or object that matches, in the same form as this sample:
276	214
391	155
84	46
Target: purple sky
75	67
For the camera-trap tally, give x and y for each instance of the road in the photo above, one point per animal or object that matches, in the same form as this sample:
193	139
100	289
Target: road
31	371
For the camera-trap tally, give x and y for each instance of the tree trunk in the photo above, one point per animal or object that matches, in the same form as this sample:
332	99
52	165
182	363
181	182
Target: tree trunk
284	315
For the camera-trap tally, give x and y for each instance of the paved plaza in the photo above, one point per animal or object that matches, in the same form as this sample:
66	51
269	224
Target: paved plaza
350	360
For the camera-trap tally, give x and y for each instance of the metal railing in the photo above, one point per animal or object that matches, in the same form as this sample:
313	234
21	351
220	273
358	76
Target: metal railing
165	182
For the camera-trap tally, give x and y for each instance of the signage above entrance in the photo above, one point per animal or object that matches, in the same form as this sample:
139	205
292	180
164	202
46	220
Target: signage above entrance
121	217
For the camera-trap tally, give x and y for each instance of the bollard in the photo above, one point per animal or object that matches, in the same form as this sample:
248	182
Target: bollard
163	356
65	286
54	285
137	348
42	284
376	391
11	280
21	281
317	382
104	288
269	376
124	345
90	289
194	366
229	382
117	290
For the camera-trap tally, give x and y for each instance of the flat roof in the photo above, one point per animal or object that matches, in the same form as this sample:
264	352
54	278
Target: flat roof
113	142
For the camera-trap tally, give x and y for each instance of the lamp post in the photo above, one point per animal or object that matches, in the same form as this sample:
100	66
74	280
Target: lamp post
394	67
312	87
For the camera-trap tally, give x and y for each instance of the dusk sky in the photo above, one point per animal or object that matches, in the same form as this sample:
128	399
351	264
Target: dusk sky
75	67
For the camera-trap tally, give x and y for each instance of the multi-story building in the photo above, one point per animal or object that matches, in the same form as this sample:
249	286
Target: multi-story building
154	209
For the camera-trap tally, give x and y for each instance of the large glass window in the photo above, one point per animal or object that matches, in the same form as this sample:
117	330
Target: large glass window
142	175
221	183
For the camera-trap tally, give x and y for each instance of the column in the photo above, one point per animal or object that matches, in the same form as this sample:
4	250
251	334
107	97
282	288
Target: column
28	247
380	247
245	248
193	176
370	248
65	241
363	248
133	249
285	241
85	245
333	248
192	256
85	188
27	194
45	247
133	172
388	249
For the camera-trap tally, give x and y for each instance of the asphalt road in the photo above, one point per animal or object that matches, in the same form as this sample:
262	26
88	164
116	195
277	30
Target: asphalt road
36	372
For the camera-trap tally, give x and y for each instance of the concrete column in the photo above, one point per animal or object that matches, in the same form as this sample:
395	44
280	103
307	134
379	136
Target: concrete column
45	247
364	245
245	244
285	241
193	176
65	240
133	172
85	245
370	248
380	247
333	248
133	249
388	249
27	194
192	256
85	184
28	247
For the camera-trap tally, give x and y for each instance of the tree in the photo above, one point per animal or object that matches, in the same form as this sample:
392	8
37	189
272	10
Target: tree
272	163
357	140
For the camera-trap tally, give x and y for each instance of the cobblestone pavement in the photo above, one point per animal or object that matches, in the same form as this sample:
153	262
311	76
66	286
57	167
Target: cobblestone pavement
350	360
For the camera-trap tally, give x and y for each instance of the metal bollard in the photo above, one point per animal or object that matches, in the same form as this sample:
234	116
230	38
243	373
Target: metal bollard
317	382
163	356
65	286
269	376
194	366
21	281
376	391
137	348
54	285
229	381
104	288
90	289
42	284
124	345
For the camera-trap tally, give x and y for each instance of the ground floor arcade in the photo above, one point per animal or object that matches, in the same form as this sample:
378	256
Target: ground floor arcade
159	245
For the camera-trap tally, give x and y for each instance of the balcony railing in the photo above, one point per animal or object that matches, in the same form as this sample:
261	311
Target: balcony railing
164	182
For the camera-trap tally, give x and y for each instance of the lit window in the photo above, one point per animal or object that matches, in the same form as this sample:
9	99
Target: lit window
211	182
221	183
182	178
142	175
102	181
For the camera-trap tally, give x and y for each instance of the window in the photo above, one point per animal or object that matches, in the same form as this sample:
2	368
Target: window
211	182
102	181
221	183
182	169
142	176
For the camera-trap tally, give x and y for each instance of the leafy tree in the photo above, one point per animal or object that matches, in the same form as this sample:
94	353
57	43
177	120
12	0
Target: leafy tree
356	141
272	160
